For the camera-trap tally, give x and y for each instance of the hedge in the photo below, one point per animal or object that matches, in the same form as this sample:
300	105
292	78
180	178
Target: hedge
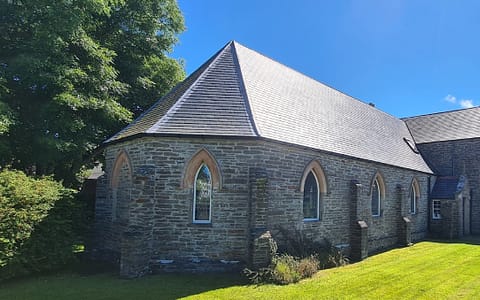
39	224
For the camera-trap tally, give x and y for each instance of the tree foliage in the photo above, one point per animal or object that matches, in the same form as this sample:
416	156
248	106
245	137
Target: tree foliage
73	73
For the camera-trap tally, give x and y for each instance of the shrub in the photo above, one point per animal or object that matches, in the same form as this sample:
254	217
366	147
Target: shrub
38	226
308	266
300	257
297	243
285	269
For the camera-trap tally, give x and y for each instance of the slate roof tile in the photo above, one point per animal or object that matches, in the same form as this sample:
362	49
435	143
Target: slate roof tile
240	92
447	186
445	126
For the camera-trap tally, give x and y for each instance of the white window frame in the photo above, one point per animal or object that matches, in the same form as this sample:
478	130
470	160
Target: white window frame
195	198
317	218
413	192
379	188
436	215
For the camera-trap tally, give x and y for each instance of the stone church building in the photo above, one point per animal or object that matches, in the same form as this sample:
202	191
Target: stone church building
245	146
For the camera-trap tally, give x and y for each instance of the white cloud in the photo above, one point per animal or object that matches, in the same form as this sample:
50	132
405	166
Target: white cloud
450	98
466	103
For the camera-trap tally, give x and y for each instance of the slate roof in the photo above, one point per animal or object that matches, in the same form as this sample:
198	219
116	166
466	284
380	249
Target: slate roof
208	102
445	126
242	93
447	186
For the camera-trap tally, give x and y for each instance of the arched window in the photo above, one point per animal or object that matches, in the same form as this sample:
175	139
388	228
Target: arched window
202	195
120	187
311	198
314	186
414	194
202	174
376	198
377	194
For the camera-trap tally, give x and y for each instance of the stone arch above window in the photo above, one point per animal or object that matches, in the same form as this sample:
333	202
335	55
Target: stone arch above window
315	167
120	186
414	196
377	194
201	157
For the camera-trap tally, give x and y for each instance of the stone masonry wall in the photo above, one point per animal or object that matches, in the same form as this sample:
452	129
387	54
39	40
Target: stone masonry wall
177	243
454	158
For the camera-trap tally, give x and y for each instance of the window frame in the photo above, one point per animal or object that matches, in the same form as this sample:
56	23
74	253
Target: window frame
415	193
317	218
203	221
436	216
413	201
379	198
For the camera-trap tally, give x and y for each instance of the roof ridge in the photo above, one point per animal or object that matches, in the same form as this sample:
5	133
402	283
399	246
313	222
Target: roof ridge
441	112
182	98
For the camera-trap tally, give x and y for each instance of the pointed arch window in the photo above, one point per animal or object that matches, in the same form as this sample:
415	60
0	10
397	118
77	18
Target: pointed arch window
414	194
311	198
202	195
313	185
376	198
120	187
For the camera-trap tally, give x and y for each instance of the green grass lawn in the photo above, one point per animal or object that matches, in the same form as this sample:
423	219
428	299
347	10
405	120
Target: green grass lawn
427	270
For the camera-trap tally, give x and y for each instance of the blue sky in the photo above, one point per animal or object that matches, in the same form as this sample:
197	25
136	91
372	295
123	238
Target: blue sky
407	57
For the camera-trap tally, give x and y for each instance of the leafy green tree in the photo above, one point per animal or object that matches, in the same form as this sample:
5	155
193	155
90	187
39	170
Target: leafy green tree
73	73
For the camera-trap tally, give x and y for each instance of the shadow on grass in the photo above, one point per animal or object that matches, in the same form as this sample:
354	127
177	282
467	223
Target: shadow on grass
99	281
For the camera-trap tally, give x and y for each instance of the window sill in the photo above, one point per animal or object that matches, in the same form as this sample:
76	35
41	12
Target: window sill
200	224
311	220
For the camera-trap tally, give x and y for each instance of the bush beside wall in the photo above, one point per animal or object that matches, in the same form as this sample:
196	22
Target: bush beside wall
40	224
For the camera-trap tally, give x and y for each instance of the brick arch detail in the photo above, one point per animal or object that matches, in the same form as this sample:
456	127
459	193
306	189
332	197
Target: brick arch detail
202	156
317	169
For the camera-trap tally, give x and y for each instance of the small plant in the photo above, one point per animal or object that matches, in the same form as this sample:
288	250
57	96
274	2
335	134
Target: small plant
286	269
308	266
262	275
335	259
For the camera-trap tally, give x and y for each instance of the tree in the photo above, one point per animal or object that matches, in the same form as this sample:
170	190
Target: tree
73	73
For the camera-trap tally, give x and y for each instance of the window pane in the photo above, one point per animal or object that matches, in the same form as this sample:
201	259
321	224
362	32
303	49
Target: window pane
436	209
203	192
310	197
375	199
413	197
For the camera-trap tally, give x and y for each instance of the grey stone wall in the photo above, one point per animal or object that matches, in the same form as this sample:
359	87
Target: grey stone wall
163	206
454	158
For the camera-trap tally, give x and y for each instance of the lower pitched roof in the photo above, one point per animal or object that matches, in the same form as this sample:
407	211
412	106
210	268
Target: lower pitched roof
445	126
446	187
